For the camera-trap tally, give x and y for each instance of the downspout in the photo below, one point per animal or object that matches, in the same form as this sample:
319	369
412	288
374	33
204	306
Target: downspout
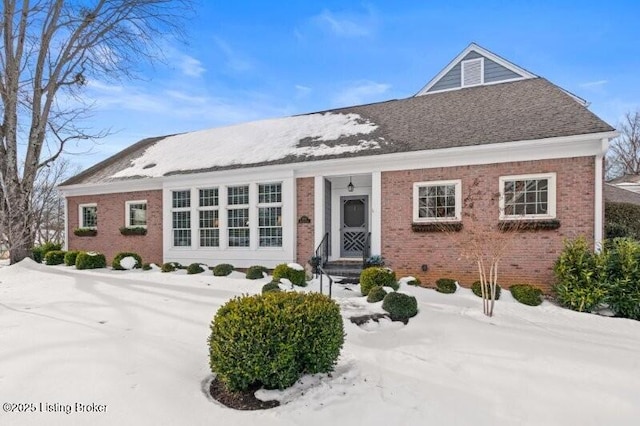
599	202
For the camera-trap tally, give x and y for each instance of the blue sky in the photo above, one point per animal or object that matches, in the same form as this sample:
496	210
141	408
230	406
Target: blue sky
248	60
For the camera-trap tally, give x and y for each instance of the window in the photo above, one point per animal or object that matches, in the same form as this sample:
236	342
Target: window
437	201
88	216
136	213
528	196
181	218
270	214
208	219
238	216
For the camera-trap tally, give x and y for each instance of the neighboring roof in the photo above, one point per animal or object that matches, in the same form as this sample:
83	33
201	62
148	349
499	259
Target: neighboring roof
632	179
527	109
615	194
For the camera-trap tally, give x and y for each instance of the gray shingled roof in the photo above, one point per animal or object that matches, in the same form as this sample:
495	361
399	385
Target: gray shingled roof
615	194
626	179
514	111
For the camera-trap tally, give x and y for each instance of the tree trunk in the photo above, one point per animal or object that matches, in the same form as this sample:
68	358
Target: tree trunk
19	222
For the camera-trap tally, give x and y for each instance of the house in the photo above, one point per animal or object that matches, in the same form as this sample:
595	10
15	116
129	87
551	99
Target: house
620	194
628	182
376	178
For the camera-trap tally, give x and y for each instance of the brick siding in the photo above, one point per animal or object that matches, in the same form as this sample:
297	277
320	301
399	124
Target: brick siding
111	217
305	231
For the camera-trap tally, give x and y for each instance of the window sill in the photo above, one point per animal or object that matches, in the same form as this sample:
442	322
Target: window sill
436	226
528	224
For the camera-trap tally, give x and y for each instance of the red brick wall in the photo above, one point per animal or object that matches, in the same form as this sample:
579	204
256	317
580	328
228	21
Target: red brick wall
305	237
531	254
111	217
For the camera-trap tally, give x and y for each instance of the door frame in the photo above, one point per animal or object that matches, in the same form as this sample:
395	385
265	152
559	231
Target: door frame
366	213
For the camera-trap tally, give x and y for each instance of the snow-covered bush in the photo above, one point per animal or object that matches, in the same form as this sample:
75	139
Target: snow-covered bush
146	267
54	257
195	268
271	287
90	260
292	271
256	272
70	257
446	285
400	306
526	294
117	261
168	267
275	338
376	294
476	288
222	270
40	251
375	276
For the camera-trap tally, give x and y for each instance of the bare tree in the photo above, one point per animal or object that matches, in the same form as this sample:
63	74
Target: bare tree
624	151
49	50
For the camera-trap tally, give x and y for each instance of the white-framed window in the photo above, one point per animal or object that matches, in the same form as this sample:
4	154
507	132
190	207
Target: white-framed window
472	72
181	218
88	215
208	217
238	216
437	201
530	196
136	213
270	214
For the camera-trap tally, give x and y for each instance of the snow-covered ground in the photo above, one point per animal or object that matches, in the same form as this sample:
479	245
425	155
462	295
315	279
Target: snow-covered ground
135	343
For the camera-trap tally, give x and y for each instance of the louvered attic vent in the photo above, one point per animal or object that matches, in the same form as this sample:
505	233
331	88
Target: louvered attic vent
472	72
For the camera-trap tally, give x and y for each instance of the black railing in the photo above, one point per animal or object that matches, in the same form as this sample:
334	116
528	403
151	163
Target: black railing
322	273
366	250
322	252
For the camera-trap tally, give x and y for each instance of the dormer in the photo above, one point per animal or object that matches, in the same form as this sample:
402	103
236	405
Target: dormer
475	66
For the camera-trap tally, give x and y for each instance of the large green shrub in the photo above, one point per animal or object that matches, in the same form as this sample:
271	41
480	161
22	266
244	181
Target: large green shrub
70	257
526	294
446	285
400	306
622	220
90	260
222	270
195	268
54	257
376	294
118	258
271	287
296	276
623	277
377	276
580	276
476	288
256	272
275	338
39	252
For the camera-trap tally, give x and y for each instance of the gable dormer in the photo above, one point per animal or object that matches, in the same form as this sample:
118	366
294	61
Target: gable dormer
475	66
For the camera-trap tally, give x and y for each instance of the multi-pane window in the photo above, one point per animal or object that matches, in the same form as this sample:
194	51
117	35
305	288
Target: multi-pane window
88	216
238	216
181	218
136	212
528	196
434	201
208	219
270	214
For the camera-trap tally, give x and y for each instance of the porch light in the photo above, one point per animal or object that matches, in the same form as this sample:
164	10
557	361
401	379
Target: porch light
350	187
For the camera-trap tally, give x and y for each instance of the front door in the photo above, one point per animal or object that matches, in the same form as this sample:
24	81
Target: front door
354	218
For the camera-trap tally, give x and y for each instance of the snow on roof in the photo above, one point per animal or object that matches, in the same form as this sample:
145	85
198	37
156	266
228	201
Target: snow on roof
255	142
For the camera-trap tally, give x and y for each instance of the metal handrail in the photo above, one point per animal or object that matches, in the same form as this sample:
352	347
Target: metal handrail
366	250
322	251
322	272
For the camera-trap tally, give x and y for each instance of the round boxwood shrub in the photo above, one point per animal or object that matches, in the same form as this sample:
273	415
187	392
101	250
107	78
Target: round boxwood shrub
376	294
116	260
415	282
90	260
376	276
295	275
446	285
476	288
271	287
527	294
40	251
400	306
146	267
256	272
222	270
194	268
54	257
275	338
70	257
168	267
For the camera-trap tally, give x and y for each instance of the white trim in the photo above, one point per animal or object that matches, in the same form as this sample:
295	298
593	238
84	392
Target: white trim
484	52
66	224
469	62
127	216
81	216
551	196
318	211
598	222
458	198
375	206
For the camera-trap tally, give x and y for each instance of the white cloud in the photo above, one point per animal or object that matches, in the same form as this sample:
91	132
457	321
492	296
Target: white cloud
234	59
598	83
190	66
344	25
302	91
360	92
